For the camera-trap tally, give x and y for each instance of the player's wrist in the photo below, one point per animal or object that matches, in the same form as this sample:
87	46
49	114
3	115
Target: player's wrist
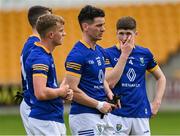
100	105
157	101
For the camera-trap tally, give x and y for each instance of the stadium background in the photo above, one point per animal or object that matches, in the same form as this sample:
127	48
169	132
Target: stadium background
158	25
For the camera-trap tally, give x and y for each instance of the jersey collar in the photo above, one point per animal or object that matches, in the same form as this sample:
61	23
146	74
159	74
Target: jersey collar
118	46
42	46
85	44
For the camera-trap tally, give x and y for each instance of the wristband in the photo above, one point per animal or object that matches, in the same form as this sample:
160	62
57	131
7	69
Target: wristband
100	105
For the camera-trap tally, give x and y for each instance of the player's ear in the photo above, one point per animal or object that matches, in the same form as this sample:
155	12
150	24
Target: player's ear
50	34
136	33
85	26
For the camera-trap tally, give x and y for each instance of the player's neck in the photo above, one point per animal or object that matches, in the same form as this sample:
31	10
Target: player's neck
89	41
48	45
35	32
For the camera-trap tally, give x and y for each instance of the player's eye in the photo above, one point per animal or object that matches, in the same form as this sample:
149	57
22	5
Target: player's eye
128	33
61	30
121	33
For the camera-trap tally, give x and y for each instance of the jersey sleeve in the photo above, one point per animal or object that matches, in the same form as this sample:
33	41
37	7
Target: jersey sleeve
74	64
108	64
152	64
40	67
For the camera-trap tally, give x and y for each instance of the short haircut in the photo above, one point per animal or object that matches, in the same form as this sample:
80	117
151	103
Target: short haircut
126	23
36	11
88	13
47	22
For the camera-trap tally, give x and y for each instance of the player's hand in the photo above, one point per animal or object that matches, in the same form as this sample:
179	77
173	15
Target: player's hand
127	47
155	107
64	88
107	107
69	95
118	105
18	97
110	95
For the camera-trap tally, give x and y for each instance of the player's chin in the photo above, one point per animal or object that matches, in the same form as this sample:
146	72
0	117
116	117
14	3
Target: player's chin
99	38
60	42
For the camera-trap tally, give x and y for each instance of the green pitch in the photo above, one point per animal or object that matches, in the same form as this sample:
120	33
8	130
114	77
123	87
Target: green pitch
165	123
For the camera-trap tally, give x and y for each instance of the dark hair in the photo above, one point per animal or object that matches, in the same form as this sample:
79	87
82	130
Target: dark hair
126	22
88	13
35	12
47	22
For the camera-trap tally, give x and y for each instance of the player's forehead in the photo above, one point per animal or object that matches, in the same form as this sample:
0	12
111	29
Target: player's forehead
99	20
48	12
60	27
125	31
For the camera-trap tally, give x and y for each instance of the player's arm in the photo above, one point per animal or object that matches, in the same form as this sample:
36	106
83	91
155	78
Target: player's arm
113	75
45	93
108	90
110	94
80	97
160	88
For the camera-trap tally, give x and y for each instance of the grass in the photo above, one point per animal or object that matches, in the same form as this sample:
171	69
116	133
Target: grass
165	123
12	125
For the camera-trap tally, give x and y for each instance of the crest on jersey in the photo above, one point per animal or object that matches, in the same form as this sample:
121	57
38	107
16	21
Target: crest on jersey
142	61
118	127
100	128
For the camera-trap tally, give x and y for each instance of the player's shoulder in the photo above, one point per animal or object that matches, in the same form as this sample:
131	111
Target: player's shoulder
38	56
29	44
142	49
78	50
111	48
38	53
33	39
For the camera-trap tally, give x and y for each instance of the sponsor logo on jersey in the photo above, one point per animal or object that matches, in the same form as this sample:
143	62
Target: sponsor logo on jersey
91	62
131	58
131	75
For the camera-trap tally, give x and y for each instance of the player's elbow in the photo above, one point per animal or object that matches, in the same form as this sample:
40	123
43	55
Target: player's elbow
40	96
163	78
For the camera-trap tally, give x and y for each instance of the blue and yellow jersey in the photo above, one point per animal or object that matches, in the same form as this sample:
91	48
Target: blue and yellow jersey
28	46
89	66
132	85
40	63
